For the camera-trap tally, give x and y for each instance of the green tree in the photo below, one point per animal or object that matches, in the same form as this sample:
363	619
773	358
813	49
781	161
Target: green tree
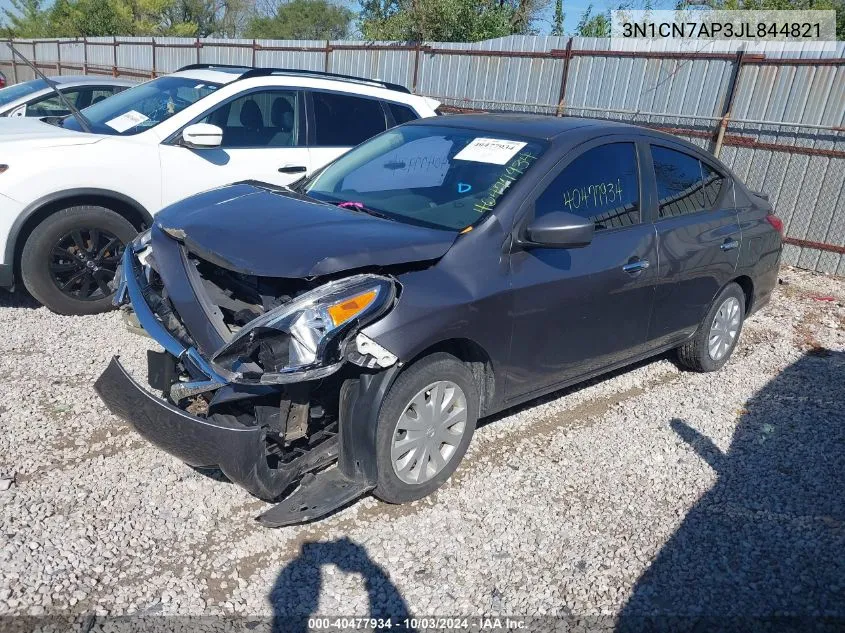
27	19
447	20
302	19
590	25
557	27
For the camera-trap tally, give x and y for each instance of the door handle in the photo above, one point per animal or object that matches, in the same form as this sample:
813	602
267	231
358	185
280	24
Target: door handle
637	266
293	169
729	244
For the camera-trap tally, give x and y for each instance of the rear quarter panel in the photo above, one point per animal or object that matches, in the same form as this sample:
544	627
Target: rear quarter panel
759	256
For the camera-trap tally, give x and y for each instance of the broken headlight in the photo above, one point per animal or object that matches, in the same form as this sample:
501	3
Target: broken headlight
302	339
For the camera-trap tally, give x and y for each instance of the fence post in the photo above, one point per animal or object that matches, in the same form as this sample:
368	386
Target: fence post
14	65
254	51
729	103
34	58
561	102
58	56
326	61
198	45
416	68
153	43
114	57
85	55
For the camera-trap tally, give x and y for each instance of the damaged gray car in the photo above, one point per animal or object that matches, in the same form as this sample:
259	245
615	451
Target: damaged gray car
345	335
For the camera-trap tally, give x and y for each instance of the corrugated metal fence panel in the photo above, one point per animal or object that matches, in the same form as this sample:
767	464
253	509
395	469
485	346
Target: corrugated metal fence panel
396	66
135	53
73	52
229	52
305	60
494	82
174	53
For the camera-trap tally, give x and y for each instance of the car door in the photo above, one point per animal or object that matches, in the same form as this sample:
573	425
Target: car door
340	122
698	237
263	139
577	310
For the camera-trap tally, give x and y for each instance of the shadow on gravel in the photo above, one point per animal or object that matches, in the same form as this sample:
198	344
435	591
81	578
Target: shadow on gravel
17	299
296	593
764	549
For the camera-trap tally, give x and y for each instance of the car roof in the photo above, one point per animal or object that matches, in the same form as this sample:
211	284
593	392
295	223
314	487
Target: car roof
225	74
534	126
85	80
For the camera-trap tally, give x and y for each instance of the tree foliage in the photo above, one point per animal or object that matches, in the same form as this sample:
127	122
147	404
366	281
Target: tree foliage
557	24
91	18
303	19
447	20
590	25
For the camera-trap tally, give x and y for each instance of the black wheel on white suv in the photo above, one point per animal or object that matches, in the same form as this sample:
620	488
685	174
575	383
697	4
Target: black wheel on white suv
70	259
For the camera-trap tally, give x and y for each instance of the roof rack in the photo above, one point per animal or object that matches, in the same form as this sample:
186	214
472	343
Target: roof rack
266	72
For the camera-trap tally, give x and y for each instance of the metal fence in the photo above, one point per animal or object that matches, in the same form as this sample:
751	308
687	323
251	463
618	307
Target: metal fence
777	118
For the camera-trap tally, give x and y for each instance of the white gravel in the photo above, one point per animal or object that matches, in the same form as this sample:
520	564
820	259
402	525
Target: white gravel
652	491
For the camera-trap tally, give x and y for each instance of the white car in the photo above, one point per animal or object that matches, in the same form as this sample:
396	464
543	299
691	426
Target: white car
37	99
70	200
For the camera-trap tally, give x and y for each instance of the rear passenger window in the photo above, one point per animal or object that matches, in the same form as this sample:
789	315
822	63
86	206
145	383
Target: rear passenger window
601	185
344	120
684	183
402	114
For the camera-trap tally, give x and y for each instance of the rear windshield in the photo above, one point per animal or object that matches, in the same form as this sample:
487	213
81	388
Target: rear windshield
19	91
143	107
441	177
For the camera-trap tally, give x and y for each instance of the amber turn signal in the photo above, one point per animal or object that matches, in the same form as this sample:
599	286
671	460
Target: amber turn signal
349	308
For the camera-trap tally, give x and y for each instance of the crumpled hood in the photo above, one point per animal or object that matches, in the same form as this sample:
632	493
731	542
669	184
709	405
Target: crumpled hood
278	233
21	133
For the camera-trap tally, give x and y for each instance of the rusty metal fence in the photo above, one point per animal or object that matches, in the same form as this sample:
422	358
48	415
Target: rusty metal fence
776	118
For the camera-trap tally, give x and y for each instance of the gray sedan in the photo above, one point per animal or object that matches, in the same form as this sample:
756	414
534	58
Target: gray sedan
36	99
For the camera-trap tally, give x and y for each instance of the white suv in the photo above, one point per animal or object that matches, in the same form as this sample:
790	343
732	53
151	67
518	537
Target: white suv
70	200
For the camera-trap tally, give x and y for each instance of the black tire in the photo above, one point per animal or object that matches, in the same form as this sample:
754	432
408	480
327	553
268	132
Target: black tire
42	272
695	353
424	372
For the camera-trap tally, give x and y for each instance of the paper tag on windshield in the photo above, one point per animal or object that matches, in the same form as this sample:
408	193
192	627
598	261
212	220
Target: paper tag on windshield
490	150
127	121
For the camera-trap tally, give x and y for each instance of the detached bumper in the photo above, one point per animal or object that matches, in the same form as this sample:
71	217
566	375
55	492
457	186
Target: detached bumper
237	450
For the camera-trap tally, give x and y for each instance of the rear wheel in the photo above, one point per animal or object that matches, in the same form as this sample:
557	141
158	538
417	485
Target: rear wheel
425	426
70	259
718	333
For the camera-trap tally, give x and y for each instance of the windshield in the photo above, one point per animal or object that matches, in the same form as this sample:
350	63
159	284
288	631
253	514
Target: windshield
442	177
19	91
143	107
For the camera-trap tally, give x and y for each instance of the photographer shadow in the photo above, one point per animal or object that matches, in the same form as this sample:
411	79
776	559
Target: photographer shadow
764	548
296	593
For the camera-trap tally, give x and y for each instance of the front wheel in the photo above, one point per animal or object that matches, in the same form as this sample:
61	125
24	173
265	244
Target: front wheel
718	333
70	259
424	427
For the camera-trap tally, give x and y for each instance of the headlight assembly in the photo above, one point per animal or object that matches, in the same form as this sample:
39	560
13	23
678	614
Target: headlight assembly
302	339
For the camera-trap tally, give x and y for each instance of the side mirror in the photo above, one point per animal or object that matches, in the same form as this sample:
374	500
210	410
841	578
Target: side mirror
560	229
19	111
202	136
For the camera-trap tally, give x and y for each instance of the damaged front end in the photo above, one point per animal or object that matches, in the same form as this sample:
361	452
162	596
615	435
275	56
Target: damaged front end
268	380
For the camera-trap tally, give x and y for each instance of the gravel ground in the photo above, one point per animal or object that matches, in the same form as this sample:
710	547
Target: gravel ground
650	492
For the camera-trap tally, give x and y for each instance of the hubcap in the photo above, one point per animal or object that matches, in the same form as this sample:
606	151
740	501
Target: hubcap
724	329
84	261
428	432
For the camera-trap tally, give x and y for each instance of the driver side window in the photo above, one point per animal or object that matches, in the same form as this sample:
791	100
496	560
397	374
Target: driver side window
268	118
602	184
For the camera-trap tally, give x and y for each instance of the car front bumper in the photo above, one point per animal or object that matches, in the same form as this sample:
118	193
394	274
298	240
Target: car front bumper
239	451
